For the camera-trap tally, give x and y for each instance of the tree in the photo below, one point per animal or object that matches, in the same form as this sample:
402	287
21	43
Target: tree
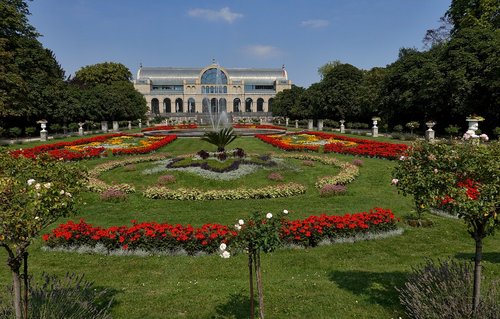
474	13
340	89
370	93
312	103
286	101
327	68
103	73
221	139
463	177
33	195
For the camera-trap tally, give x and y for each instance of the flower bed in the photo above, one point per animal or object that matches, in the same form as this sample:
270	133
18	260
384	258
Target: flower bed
262	126
170	127
273	191
334	143
95	147
154	237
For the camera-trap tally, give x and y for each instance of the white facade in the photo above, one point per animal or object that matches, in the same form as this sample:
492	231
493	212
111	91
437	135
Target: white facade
171	91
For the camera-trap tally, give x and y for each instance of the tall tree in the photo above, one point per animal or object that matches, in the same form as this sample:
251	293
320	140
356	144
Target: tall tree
474	13
287	101
103	73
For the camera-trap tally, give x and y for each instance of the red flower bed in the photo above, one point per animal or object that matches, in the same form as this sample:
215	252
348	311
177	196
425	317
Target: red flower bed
364	147
310	231
263	126
207	238
285	146
170	127
58	150
147	149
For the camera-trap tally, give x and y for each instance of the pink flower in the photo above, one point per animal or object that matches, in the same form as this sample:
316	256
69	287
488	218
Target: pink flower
395	181
484	137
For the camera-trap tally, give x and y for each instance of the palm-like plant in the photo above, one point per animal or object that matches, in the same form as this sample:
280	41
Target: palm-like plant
221	139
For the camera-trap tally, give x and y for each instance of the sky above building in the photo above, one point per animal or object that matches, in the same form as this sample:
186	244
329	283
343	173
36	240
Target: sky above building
300	34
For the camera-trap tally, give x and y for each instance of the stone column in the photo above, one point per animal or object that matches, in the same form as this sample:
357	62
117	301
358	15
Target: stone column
320	125
129	125
80	129
115	126
429	134
104	126
296	123
342	127
310	124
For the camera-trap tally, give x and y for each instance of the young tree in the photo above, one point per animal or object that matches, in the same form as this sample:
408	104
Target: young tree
33	195
466	177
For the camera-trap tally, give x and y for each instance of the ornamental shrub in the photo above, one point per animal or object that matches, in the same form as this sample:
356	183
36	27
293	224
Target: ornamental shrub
442	289
68	297
332	190
357	162
166	179
275	176
113	195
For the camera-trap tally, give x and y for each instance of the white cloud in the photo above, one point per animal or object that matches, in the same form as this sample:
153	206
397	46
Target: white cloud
262	51
224	14
315	24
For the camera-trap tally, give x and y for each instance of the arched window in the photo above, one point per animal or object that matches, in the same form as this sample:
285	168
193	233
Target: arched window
214	105
205	103
178	106
270	105
202	89
167	106
260	105
248	105
213	76
191	105
155	106
222	105
236	105
225	89
212	89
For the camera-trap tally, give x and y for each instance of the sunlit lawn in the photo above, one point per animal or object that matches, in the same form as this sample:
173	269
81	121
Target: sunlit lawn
339	281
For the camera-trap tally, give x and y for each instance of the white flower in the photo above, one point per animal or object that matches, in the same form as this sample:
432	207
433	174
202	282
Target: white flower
402	158
225	254
241	222
47	185
68	194
37	186
237	227
62	192
269	215
484	137
435	171
222	246
36	217
30	181
395	181
285	212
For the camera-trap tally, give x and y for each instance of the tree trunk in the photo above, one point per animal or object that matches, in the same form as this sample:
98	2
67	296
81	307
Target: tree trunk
250	266
477	274
258	275
16	286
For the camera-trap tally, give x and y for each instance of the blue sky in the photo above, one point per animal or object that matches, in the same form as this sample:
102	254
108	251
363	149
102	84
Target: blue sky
301	34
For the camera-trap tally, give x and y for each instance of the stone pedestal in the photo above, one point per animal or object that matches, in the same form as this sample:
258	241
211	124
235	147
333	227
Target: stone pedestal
429	134
296	123
375	131
342	127
115	126
140	123
129	125
104	126
310	125
286	121
43	135
320	125
260	121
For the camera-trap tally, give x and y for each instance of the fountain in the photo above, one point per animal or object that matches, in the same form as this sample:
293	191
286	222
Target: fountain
217	113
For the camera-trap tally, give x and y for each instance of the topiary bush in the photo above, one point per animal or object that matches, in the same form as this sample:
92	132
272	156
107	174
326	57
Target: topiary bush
442	290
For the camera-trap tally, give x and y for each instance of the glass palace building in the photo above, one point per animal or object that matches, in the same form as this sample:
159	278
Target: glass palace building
193	92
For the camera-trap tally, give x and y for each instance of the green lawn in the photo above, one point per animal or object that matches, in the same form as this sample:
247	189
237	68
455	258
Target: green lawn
338	281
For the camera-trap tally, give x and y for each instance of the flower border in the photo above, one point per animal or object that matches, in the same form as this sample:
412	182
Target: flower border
154	238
